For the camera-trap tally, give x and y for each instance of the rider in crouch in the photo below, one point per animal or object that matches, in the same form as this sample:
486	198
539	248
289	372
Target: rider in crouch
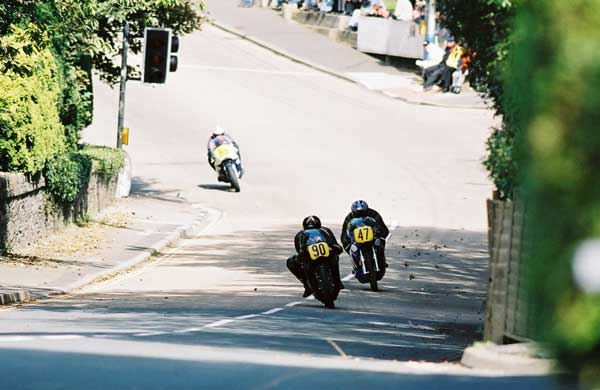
297	263
217	138
359	209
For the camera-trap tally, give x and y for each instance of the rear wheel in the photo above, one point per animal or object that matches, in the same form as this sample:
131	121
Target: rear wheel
233	177
369	260
324	286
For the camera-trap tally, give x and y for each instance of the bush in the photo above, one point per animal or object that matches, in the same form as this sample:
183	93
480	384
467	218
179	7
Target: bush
67	176
107	161
556	87
31	129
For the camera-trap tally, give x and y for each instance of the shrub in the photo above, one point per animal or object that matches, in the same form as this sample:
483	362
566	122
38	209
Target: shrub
107	161
67	176
30	127
556	86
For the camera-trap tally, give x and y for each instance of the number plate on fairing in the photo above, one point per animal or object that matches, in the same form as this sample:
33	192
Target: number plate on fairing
363	234
320	249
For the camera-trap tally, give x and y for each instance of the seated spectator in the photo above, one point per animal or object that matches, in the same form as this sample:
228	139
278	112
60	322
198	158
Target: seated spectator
459	76
404	10
433	55
352	5
369	8
441	74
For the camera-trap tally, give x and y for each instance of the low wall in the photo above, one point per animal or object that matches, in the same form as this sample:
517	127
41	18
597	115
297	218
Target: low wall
390	37
27	214
507	313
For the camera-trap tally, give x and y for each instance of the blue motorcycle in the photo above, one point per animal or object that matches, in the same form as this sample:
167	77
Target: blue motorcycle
367	268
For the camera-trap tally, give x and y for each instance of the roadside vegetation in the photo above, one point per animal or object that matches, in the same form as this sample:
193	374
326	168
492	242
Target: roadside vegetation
49	50
540	64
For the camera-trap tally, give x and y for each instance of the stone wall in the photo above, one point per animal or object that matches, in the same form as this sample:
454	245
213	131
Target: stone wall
27	214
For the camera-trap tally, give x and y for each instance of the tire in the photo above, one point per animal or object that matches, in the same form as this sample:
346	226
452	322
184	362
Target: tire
233	178
369	260
324	284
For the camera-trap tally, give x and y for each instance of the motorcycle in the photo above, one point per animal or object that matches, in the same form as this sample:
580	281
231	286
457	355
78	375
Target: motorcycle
367	268
228	165
319	271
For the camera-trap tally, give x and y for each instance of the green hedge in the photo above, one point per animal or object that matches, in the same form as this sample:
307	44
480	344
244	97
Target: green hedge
555	83
30	92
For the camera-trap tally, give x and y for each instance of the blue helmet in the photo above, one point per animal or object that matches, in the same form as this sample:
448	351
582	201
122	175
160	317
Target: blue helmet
359	207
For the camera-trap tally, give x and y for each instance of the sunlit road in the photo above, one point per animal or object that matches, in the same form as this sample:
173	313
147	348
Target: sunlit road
220	310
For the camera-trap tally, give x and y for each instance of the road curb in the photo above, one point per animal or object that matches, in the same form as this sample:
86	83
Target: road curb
13	297
512	359
283	53
185	231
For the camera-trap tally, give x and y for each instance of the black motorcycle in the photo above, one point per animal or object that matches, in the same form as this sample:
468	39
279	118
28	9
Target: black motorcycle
319	270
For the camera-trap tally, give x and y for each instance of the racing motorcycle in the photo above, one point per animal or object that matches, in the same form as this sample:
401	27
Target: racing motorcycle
362	232
228	165
319	271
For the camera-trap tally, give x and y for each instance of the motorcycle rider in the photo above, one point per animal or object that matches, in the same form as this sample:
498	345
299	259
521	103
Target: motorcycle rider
217	138
359	209
297	263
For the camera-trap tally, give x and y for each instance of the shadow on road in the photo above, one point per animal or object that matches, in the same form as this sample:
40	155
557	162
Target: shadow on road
431	307
218	187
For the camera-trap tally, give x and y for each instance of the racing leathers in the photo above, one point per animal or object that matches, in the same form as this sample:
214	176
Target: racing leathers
297	263
381	235
217	140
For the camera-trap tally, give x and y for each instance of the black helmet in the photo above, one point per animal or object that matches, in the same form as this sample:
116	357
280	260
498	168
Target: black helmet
359	208
311	222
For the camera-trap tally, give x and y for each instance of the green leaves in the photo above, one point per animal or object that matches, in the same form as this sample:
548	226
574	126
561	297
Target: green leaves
30	128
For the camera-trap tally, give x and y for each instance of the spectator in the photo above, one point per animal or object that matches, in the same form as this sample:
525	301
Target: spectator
404	10
459	76
352	5
433	55
441	74
368	8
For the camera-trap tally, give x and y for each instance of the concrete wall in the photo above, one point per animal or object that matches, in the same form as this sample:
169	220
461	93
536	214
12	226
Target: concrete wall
27	214
390	37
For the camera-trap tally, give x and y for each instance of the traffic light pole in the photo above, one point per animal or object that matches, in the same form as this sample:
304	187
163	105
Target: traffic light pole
123	85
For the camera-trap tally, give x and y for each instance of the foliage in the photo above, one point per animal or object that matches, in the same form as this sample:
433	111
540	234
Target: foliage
556	63
67	176
30	127
107	161
484	26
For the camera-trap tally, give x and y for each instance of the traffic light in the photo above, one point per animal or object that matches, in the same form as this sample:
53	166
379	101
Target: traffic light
159	43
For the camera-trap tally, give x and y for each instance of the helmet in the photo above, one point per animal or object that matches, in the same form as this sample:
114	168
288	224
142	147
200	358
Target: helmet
218	131
359	207
311	222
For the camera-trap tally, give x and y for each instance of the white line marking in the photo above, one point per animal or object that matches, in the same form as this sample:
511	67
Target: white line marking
61	337
292	304
219	323
145	334
250	70
337	348
347	277
272	311
247	316
188	330
14	339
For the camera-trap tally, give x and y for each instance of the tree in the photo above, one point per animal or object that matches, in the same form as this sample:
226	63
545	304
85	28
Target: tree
484	26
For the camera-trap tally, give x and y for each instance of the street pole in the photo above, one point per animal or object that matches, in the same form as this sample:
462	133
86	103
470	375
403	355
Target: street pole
123	85
431	28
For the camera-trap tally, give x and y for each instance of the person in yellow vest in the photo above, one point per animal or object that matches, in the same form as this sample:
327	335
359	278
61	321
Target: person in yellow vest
441	74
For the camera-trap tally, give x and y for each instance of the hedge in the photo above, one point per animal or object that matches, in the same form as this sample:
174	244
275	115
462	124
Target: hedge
555	83
30	126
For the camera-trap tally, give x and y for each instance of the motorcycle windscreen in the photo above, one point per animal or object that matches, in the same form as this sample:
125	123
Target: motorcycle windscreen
224	152
361	230
316	244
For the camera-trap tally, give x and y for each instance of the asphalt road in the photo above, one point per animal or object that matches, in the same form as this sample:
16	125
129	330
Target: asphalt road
220	310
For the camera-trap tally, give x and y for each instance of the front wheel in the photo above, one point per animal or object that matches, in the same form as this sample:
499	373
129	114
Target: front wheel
233	177
369	260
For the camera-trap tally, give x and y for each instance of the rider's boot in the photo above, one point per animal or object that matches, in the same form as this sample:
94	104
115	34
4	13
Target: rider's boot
307	291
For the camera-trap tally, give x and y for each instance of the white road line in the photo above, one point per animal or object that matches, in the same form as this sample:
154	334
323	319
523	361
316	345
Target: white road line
247	316
337	347
347	277
220	323
188	330
145	334
250	70
61	337
272	311
292	304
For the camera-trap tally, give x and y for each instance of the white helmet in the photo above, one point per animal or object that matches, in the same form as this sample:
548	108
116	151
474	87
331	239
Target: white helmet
218	131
